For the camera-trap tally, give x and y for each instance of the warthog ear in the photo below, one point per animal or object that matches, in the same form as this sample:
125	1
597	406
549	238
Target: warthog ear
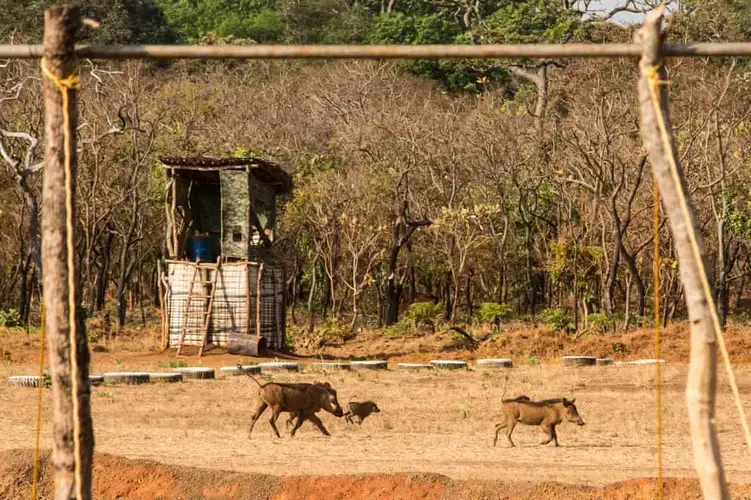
565	401
572	401
326	384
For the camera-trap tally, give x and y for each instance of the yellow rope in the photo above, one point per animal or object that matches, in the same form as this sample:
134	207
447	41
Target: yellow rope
658	355
654	81
34	489
64	85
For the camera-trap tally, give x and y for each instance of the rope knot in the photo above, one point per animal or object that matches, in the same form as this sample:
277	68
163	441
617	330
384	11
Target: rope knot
653	75
69	82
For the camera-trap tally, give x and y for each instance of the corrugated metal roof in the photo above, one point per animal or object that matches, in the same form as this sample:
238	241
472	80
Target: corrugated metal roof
263	170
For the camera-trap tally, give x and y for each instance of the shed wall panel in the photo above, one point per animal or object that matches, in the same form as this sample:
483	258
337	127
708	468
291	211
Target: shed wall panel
229	312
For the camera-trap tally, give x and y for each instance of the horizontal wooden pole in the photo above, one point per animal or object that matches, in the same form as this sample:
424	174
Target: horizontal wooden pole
571	50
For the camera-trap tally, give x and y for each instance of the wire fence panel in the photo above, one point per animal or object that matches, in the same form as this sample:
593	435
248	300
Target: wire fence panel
232	313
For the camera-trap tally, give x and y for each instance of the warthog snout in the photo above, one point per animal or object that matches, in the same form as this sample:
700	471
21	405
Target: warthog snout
572	414
333	404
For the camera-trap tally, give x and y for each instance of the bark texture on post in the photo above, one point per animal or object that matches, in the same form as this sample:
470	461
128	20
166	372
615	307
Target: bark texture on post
702	378
61	25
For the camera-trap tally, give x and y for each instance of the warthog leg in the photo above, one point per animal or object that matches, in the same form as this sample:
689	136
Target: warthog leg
348	417
292	417
259	411
509	430
498	429
300	419
549	431
275	412
313	418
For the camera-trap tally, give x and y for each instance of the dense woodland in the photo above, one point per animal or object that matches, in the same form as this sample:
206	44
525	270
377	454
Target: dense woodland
490	188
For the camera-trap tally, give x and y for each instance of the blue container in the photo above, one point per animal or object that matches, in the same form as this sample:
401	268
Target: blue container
199	247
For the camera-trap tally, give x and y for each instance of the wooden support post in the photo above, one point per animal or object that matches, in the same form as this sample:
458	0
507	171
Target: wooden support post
702	378
258	299
164	342
248	312
60	26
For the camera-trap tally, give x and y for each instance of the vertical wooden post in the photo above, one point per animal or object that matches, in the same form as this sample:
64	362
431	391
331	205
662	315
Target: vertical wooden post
702	378
164	341
248	311
61	24
258	298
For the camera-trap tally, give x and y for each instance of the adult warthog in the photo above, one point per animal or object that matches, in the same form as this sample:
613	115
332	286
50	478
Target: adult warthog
547	414
305	400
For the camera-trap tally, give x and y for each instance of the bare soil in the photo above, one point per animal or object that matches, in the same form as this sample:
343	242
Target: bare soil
433	438
122	478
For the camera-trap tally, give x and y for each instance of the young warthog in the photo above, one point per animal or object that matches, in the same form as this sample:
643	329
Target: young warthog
361	411
547	414
304	400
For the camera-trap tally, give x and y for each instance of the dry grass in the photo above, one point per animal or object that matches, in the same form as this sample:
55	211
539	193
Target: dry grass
438	422
430	422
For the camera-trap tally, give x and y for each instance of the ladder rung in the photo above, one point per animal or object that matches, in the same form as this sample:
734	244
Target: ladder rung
197	313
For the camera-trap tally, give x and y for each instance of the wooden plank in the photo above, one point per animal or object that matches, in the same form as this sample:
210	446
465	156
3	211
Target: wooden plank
258	298
185	313
209	310
247	298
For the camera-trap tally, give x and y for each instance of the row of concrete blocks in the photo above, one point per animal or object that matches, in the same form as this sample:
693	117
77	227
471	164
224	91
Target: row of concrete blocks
201	373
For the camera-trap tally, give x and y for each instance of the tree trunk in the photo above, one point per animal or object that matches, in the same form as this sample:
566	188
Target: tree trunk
447	300
702	379
72	410
104	271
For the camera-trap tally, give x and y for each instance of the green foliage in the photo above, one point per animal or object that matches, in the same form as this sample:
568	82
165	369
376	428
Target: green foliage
351	26
47	379
398	329
600	322
92	336
253	19
619	348
743	318
531	21
557	319
334	331
10	318
492	312
454	75
123	21
424	313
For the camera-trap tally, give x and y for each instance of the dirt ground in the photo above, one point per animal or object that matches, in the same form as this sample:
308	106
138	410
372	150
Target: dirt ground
433	438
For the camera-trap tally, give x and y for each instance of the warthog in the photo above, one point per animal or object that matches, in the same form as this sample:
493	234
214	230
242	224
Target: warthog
303	400
547	414
361	411
296	415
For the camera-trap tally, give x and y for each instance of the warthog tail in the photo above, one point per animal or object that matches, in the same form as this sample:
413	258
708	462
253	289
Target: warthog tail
240	367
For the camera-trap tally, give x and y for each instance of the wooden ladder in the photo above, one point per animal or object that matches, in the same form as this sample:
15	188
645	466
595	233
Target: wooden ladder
206	313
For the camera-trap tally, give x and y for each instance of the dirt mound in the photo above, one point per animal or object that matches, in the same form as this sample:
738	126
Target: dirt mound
121	478
527	344
117	477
